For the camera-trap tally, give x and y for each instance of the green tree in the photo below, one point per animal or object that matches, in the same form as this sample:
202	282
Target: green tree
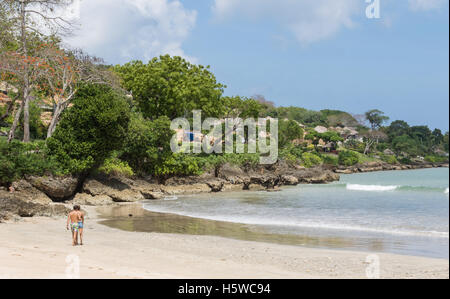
397	128
437	137
288	131
405	144
348	158
172	87
446	142
89	131
376	118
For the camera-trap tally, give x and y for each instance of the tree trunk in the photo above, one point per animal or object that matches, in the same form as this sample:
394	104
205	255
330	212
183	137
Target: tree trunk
26	90
26	118
55	119
12	131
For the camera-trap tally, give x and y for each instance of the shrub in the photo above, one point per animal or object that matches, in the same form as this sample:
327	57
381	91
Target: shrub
177	164
18	159
389	159
406	161
436	159
147	145
137	143
330	160
91	129
348	158
116	167
291	153
310	160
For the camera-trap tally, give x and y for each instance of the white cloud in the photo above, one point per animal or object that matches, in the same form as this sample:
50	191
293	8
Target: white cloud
309	20
122	30
425	5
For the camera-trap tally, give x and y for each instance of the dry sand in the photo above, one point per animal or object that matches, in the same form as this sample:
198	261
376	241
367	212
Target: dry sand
41	248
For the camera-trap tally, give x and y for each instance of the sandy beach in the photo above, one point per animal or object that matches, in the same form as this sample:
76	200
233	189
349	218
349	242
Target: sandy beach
41	248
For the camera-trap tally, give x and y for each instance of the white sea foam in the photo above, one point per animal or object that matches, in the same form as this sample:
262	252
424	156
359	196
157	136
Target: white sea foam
376	188
171	198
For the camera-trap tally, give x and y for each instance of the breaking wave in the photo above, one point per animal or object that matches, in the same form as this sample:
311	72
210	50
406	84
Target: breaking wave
382	188
356	187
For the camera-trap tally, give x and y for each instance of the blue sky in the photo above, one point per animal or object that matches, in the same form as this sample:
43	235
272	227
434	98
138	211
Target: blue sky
315	54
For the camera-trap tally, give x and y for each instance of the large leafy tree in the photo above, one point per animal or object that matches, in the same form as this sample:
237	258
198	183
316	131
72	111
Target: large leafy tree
288	131
88	132
405	144
172	87
376	118
398	128
446	142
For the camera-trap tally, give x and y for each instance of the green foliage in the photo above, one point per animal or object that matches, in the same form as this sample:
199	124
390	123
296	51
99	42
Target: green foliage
330	136
37	128
89	131
397	128
436	159
376	118
311	159
291	153
389	159
18	159
116	167
336	118
348	158
177	164
326	137
405	161
147	145
330	160
446	142
303	116
288	131
172	87
405	144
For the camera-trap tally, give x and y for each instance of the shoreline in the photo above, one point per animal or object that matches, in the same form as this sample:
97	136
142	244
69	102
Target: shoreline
135	218
27	251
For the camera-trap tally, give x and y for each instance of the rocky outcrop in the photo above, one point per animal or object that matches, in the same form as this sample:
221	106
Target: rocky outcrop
289	180
216	185
345	171
186	189
275	175
28	202
85	199
383	166
233	175
23	190
117	190
57	188
316	176
152	194
268	181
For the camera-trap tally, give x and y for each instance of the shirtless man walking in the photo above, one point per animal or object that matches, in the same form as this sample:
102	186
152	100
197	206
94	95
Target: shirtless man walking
76	222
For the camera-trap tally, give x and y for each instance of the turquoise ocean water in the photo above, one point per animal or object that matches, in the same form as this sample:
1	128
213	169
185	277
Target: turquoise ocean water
405	212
